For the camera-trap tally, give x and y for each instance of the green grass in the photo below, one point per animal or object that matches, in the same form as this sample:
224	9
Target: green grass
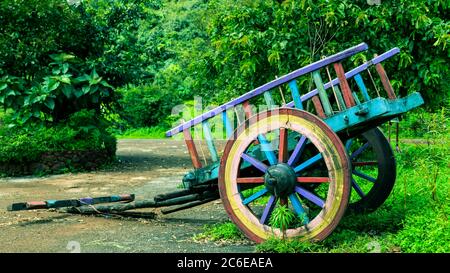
146	133
414	219
220	232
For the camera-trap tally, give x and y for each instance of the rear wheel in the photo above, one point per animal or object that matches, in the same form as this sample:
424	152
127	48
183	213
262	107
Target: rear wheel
373	170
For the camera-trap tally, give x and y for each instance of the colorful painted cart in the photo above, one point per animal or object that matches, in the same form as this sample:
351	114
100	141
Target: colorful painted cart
317	155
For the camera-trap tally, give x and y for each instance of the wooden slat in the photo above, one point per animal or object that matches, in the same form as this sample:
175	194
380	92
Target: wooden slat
191	148
210	141
346	92
362	87
247	109
385	80
227	124
296	95
269	100
339	97
318	107
322	93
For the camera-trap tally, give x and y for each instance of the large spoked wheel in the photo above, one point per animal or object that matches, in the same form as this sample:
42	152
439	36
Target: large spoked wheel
258	175
373	170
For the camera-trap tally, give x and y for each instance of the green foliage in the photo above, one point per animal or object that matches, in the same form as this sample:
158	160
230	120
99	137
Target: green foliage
146	132
282	217
254	41
145	105
83	131
57	58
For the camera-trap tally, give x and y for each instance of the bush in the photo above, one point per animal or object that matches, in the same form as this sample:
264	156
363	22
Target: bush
82	132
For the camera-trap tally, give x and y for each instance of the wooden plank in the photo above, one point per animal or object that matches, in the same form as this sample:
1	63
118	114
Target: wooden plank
191	149
227	124
318	107
266	87
322	93
210	141
385	80
340	98
269	100
362	87
313	179
296	94
346	92
250	180
247	109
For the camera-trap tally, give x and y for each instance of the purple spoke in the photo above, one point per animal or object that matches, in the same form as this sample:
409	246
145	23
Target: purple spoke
310	196
357	188
268	210
297	151
360	150
255	162
364	176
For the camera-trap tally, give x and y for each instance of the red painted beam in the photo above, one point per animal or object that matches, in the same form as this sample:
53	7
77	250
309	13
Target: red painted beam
191	148
343	83
313	179
250	180
318	107
385	80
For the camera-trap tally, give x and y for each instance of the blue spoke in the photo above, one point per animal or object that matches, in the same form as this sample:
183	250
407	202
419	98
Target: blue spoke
298	208
358	189
266	147
255	162
268	210
360	150
364	176
297	151
254	196
348	144
308	163
310	196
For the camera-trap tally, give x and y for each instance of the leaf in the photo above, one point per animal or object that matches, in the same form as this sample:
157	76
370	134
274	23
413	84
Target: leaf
78	93
3	86
56	71
85	89
80	79
50	103
10	93
53	85
62	57
65	68
67	91
65	78
105	84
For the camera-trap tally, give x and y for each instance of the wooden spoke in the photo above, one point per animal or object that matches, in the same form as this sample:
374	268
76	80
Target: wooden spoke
283	149
268	209
313	179
255	162
310	196
250	180
254	196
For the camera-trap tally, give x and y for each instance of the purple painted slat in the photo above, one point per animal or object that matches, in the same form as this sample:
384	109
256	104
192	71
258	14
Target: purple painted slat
277	82
297	151
255	162
350	74
310	196
268	210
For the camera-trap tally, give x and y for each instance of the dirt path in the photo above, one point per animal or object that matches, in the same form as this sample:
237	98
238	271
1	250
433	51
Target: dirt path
146	168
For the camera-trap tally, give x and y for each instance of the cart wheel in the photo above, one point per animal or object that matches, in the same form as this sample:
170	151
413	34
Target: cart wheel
373	169
256	178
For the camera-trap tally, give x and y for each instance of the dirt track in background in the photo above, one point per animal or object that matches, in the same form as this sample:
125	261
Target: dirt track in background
146	168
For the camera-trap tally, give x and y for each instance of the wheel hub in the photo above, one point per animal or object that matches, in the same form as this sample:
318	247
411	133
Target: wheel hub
280	180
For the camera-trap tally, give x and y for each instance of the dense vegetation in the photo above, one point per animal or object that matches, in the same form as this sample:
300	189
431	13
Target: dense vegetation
75	73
